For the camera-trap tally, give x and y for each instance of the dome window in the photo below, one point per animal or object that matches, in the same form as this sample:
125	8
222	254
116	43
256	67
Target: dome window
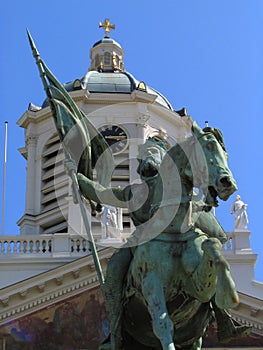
77	84
141	86
97	60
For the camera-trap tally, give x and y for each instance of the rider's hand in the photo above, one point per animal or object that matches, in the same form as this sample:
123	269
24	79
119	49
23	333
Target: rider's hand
70	166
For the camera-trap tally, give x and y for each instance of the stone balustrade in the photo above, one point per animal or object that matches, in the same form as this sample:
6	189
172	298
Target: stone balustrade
75	245
43	245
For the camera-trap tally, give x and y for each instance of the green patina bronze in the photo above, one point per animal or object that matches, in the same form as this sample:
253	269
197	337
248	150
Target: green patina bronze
164	286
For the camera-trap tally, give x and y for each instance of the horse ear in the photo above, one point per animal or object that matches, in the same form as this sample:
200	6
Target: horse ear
197	131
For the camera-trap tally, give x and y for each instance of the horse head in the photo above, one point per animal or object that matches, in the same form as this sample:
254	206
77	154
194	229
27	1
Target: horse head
209	165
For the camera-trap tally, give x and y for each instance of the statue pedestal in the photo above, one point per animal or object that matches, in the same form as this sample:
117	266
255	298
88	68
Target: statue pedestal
241	241
242	261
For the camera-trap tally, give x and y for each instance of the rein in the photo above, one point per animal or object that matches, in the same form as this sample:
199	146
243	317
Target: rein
179	237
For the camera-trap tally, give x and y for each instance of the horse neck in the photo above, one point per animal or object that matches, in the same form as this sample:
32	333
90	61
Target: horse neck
177	163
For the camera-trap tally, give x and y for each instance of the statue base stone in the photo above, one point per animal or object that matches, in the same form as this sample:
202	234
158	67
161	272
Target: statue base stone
241	240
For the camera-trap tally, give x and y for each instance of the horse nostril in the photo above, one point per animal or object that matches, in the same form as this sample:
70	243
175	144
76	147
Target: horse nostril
226	181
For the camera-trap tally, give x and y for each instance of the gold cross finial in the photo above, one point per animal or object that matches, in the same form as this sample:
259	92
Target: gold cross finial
107	25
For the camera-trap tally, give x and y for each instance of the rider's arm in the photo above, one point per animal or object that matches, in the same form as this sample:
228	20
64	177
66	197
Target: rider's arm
114	196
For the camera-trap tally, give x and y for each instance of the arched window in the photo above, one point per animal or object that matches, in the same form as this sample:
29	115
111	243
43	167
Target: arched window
97	60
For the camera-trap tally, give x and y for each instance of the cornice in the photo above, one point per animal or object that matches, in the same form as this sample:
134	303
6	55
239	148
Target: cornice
183	124
249	312
50	287
40	218
106	98
256	324
34	117
240	257
86	97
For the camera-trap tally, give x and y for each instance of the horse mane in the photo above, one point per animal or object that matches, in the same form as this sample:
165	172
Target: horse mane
177	152
218	135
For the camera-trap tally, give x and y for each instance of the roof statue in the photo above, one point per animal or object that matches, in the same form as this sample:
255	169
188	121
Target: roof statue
239	210
111	222
167	282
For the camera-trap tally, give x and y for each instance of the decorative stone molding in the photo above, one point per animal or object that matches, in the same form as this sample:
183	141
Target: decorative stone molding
59	280
31	140
76	273
23	293
42	287
77	276
142	120
5	301
249	312
256	326
254	312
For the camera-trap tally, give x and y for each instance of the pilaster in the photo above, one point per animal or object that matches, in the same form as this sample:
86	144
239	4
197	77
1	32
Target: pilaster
31	143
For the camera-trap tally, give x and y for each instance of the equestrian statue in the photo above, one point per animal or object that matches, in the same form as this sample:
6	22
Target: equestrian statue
169	280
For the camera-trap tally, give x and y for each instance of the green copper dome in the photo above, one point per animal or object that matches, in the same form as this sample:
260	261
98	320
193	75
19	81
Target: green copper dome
112	82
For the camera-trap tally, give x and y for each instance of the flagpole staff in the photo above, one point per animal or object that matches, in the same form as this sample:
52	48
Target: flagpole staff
72	170
4	179
77	193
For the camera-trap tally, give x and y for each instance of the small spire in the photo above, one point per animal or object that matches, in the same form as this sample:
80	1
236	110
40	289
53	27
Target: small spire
206	123
32	45
107	25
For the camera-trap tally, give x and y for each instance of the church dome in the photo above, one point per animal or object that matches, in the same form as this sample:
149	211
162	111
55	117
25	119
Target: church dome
106	73
114	82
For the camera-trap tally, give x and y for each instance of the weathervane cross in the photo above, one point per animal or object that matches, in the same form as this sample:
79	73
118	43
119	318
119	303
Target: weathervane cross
107	25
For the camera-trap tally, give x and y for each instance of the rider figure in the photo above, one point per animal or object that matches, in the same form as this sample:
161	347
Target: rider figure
135	197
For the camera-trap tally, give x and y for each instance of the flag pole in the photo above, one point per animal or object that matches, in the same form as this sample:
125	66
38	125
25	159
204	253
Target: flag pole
4	179
77	193
72	172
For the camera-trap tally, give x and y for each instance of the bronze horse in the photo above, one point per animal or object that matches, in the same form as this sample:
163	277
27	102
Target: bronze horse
178	269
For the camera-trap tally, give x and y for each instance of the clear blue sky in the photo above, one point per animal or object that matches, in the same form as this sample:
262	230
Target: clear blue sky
205	55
